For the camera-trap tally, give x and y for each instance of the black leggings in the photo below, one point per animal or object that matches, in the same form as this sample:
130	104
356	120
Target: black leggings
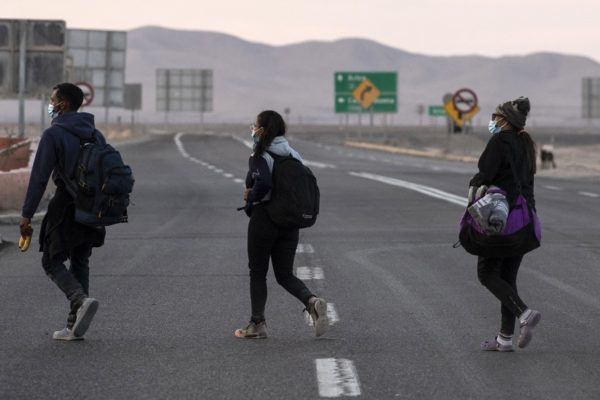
499	276
266	241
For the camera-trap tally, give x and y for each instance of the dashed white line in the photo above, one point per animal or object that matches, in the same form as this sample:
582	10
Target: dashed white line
337	377
588	194
304	248
219	171
310	273
238	180
550	187
426	190
227	175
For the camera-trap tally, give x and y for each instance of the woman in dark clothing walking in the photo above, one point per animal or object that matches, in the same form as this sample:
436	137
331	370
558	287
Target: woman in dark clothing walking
509	141
266	240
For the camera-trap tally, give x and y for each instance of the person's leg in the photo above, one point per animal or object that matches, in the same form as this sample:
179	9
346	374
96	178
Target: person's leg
489	274
282	255
63	278
260	241
80	269
508	272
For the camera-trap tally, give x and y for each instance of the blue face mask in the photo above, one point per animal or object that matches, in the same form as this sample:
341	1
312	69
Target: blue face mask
51	111
493	128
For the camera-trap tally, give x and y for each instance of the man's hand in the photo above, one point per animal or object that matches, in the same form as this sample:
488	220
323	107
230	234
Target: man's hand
25	227
246	191
26	233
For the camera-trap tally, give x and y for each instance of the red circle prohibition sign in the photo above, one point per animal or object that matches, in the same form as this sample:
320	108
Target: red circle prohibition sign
88	93
464	100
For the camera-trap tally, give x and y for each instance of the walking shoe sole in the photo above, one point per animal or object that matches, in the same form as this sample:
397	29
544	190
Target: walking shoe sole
88	310
527	333
322	322
240	334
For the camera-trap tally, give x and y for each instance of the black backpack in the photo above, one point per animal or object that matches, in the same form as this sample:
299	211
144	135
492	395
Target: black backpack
295	195
101	185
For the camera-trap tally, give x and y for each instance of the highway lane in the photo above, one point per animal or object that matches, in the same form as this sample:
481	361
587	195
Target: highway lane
173	286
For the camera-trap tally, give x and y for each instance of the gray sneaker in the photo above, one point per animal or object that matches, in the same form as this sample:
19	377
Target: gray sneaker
526	328
252	331
65	334
494	345
318	312
85	314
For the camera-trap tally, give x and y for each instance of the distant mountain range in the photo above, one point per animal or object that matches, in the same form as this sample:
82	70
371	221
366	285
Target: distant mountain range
249	77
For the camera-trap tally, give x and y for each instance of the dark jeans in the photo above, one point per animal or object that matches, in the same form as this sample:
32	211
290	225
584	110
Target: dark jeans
74	281
499	276
266	241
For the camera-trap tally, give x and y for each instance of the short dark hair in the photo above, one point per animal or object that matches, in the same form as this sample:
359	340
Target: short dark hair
71	93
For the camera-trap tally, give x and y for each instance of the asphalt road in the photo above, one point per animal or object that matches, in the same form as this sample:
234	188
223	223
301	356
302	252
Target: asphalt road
408	312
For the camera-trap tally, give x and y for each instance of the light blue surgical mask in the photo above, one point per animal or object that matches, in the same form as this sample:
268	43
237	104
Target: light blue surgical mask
51	111
493	128
254	134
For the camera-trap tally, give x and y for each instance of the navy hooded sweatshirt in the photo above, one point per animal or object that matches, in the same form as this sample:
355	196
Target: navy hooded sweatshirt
58	150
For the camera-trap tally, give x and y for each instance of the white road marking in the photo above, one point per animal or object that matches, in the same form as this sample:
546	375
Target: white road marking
304	248
337	377
179	145
227	175
588	194
310	273
552	187
209	166
238	180
332	316
318	164
426	190
218	171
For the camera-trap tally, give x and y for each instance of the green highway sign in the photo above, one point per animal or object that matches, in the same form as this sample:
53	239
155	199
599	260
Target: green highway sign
437	111
357	92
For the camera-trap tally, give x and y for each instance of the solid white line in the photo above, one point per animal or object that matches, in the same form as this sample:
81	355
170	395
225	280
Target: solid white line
304	248
310	273
426	190
332	316
337	377
180	145
588	194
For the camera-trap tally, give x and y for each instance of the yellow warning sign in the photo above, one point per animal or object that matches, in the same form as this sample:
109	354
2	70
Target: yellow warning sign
458	117
366	93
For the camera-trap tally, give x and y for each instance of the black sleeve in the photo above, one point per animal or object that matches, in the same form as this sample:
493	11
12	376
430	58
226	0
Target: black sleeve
260	178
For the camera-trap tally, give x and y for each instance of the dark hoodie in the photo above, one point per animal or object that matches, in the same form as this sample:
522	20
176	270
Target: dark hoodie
58	149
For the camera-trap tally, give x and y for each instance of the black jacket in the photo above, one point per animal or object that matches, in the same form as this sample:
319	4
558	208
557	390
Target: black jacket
58	150
495	169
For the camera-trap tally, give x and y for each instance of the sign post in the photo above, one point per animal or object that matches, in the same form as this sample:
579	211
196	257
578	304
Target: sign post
32	56
462	107
590	91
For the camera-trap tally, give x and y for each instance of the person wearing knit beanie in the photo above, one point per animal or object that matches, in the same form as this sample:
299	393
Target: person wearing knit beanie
515	112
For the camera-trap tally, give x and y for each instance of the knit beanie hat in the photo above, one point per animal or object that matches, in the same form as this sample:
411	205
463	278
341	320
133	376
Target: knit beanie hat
515	112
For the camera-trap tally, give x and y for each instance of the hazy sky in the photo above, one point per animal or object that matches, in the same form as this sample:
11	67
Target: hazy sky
436	27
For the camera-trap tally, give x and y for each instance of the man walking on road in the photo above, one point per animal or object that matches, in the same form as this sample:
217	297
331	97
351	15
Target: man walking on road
62	238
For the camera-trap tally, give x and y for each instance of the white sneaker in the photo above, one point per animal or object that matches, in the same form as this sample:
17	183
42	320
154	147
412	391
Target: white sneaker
85	314
318	312
65	334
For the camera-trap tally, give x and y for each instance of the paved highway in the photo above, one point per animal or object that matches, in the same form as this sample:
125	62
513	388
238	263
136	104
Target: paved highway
407	312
